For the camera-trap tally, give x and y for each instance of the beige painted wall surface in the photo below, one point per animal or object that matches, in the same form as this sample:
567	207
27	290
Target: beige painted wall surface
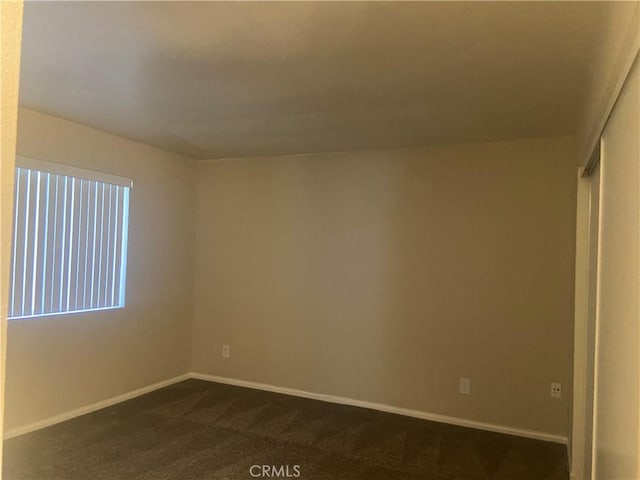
56	364
384	276
10	43
616	438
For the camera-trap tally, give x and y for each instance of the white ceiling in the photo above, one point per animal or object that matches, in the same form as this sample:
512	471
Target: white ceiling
230	79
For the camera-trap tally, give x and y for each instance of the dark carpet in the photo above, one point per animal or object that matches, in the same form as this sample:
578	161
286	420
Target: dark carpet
202	430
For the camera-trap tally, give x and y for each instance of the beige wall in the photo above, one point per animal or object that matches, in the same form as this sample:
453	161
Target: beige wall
384	276
10	43
57	364
616	438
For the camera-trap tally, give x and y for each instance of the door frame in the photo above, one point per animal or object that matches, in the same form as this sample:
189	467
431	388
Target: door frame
585	320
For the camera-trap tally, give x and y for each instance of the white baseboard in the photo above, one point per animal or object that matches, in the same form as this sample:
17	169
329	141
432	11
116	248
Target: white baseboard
462	422
14	432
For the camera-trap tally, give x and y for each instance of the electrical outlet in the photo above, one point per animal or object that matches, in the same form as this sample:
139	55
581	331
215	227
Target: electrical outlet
556	390
465	386
226	351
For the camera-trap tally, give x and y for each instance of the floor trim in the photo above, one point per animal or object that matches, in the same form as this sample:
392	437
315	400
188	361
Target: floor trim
462	422
14	432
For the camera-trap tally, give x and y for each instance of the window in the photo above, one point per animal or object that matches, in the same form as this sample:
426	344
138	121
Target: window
69	240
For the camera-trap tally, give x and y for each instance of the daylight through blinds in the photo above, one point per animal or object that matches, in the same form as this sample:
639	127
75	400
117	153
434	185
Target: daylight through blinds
69	244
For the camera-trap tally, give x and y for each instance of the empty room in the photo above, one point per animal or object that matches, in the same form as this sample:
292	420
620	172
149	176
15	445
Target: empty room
320	240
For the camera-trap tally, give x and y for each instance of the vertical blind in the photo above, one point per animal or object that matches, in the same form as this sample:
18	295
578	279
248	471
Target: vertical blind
69	244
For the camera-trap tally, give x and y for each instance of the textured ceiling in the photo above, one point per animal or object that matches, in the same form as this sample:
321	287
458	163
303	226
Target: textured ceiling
213	80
